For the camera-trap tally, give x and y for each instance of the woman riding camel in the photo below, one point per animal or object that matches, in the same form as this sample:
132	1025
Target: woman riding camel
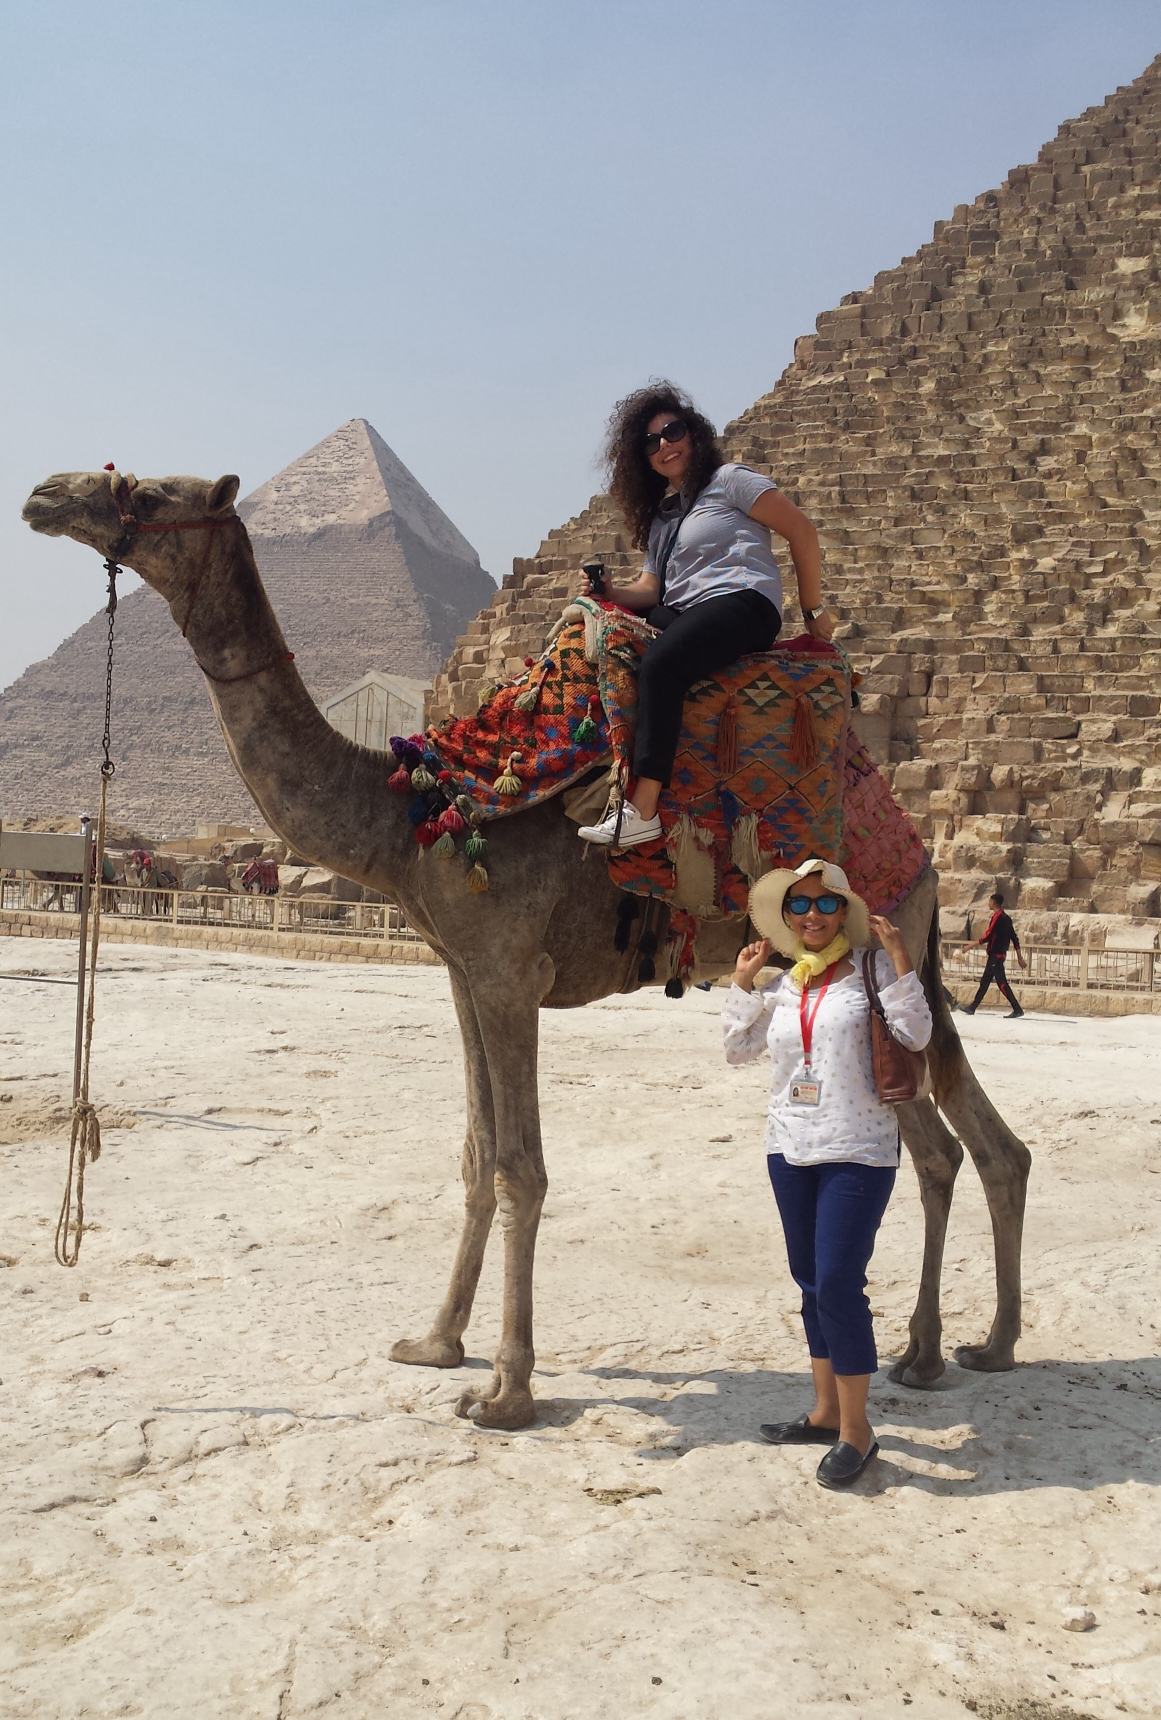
710	581
832	1144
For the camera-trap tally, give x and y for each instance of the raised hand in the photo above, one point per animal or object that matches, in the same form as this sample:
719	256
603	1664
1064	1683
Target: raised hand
750	962
891	939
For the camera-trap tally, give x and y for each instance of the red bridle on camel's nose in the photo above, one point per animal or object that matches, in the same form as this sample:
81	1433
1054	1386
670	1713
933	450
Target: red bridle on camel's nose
130	526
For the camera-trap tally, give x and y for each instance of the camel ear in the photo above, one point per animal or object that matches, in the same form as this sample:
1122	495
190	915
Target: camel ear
222	493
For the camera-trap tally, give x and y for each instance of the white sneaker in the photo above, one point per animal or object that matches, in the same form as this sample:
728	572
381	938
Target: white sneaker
634	829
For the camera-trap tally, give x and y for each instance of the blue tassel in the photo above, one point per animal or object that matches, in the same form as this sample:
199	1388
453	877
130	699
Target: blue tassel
417	811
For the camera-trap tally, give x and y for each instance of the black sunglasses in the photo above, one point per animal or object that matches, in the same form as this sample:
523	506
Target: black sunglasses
824	904
675	431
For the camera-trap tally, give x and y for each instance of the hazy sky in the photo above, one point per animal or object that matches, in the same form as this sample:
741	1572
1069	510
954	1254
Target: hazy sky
230	227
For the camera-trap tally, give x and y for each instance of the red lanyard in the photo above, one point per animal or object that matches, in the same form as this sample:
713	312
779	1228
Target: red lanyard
807	1017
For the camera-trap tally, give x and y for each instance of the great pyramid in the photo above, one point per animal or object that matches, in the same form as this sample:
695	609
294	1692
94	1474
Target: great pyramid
365	572
976	436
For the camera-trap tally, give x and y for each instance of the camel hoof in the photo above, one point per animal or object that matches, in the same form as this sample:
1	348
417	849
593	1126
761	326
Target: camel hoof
508	1411
983	1359
428	1352
918	1376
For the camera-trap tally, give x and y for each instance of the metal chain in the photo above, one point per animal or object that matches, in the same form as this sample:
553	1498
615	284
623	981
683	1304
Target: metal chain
108	767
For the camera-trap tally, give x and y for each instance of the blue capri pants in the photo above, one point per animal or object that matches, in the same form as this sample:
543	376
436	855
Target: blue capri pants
831	1214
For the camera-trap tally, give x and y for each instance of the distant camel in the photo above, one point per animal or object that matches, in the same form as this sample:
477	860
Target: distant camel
541	937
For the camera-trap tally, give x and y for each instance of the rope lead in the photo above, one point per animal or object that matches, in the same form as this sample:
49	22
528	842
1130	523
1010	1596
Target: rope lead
85	1135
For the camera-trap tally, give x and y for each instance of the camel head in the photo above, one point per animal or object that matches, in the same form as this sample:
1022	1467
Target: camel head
123	518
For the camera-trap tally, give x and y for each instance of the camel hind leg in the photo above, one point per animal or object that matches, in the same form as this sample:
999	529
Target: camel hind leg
1003	1163
443	1345
937	1156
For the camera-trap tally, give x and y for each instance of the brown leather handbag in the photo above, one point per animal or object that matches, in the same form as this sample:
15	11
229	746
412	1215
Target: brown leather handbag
901	1075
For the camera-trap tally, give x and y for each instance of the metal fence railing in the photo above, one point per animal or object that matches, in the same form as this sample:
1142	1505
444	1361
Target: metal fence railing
1066	967
220	908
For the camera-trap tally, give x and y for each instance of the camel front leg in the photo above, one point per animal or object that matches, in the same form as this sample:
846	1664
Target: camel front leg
510	1029
937	1156
443	1345
1003	1163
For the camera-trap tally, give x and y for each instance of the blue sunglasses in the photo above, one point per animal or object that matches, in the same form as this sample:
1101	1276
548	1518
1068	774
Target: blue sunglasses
824	904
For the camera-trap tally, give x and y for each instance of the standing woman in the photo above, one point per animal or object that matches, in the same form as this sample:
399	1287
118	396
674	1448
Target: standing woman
710	580
832	1144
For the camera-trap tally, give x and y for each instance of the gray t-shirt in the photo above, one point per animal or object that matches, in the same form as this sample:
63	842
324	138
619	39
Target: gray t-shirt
719	549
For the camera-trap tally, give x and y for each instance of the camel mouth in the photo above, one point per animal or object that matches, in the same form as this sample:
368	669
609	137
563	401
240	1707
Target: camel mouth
51	508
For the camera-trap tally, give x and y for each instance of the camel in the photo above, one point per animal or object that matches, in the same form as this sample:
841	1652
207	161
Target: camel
541	937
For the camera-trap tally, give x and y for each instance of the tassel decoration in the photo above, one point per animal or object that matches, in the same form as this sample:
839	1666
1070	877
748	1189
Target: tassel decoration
444	846
476	846
450	822
398	745
464	806
647	967
477	880
444	777
422	779
804	736
417	811
728	738
427	833
412	756
508	783
674	988
528	700
626	913
587	730
399	781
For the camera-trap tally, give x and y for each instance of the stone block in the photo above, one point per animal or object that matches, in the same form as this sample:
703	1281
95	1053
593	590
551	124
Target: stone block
1048	860
916	774
1035	892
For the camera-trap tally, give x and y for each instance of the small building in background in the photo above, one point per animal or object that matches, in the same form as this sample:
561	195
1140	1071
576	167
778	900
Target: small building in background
376	707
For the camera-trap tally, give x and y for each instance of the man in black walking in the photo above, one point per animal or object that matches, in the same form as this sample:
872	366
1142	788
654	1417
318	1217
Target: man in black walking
997	940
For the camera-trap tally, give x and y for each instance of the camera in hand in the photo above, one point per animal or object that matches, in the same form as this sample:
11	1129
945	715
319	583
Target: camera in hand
595	573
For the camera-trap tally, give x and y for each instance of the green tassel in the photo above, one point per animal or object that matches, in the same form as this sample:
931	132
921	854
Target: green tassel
526	701
586	731
476	846
444	845
422	779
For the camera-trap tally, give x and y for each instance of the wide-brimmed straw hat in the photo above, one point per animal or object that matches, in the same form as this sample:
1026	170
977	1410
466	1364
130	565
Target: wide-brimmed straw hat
771	890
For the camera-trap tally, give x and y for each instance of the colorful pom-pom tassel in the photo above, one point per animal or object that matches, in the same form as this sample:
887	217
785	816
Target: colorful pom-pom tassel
451	822
477	880
508	782
528	662
431	760
464	805
587	730
398	745
445	776
419	741
422	779
476	846
399	781
412	756
444	846
417	811
427	833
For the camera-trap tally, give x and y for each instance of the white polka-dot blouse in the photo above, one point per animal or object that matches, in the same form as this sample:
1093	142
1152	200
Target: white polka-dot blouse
850	1122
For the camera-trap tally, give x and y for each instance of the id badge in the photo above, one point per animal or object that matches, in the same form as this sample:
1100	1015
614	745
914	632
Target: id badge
805	1091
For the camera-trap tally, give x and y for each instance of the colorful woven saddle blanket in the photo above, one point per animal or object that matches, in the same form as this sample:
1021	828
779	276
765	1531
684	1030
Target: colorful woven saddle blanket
767	771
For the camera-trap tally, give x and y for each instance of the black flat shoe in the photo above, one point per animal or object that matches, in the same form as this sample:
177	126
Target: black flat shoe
842	1467
798	1432
1016	1015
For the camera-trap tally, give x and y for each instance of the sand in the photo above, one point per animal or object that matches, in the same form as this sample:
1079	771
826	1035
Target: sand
221	1499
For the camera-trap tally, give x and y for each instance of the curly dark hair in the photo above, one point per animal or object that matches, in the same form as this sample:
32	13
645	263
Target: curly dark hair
633	484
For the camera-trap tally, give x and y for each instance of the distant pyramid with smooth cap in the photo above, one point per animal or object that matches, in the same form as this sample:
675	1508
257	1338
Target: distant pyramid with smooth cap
364	570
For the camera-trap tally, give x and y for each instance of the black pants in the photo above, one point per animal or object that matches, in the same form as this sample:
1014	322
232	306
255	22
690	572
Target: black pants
994	970
692	644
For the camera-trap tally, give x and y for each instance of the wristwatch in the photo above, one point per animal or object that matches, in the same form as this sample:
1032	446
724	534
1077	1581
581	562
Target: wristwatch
813	614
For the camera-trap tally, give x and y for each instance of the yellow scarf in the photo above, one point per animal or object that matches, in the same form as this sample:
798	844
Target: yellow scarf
808	964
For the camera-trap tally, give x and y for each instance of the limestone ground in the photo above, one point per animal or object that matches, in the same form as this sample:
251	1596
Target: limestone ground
220	1498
